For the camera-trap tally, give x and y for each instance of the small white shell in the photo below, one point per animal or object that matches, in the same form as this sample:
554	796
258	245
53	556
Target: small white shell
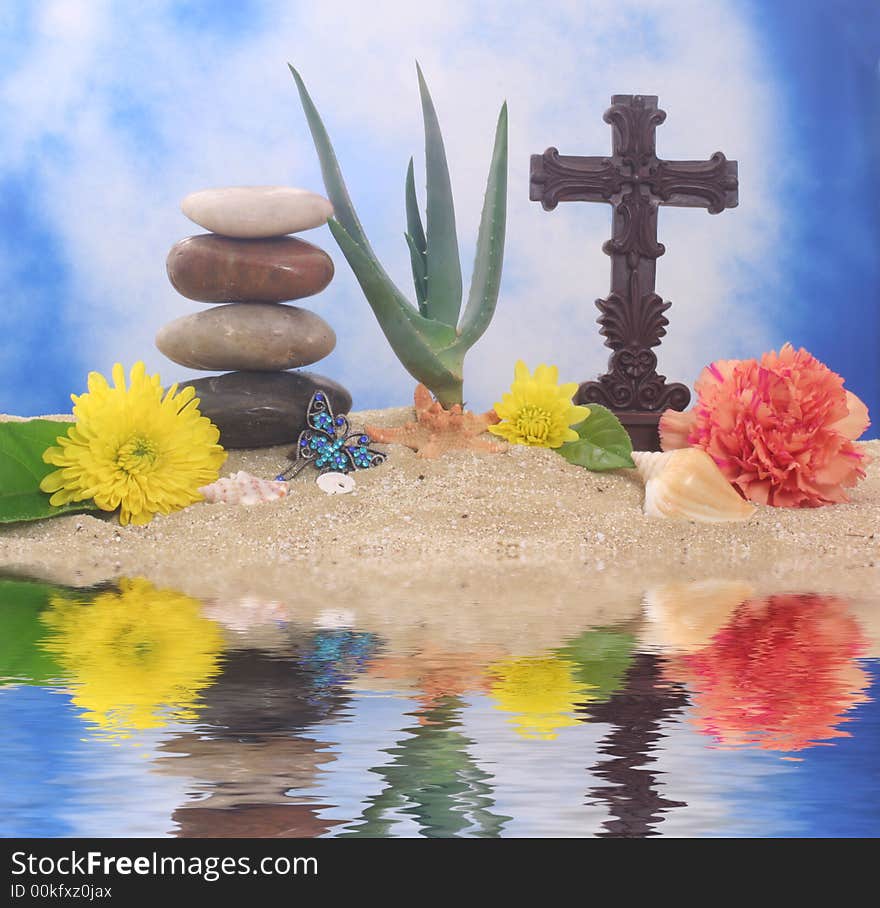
242	488
686	484
335	483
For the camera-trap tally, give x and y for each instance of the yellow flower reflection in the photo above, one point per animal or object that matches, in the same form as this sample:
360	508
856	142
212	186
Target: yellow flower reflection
540	691
136	658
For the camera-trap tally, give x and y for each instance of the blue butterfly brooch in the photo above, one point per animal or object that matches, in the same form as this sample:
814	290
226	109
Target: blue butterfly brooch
328	443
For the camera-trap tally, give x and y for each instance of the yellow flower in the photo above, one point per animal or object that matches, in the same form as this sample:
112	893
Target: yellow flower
135	659
540	691
538	410
134	449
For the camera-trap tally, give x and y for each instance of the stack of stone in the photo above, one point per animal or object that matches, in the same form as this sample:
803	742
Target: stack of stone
251	265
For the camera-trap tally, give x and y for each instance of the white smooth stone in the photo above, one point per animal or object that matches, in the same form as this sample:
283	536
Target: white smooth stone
256	212
335	483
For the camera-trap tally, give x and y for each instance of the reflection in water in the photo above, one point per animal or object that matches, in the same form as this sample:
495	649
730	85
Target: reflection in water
637	712
541	692
23	660
432	674
601	658
135	659
433	779
251	748
334	656
780	675
252	722
544	692
682	617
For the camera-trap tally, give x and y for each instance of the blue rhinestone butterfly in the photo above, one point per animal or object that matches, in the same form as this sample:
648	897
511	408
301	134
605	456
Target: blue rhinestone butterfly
328	443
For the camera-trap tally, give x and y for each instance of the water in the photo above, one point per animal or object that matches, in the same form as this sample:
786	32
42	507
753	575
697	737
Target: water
711	710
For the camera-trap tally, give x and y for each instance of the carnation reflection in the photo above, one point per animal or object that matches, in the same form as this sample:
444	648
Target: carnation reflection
780	674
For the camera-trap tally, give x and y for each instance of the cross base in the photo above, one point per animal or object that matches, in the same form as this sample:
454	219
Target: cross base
643	428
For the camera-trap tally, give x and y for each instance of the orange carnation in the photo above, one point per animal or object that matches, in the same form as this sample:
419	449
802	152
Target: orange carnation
781	430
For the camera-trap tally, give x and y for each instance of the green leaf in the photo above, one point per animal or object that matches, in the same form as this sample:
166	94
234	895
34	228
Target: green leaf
21	468
415	238
416	340
489	257
419	276
603	443
337	191
443	262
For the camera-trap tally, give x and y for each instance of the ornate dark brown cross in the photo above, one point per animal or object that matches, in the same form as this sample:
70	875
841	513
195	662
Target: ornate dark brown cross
635	182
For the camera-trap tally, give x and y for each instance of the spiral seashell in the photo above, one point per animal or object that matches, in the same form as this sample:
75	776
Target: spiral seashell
685	484
243	488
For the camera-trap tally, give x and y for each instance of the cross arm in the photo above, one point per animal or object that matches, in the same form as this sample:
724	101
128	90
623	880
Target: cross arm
712	184
558	178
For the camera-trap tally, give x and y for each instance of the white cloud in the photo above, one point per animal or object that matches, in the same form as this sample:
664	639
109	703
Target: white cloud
147	111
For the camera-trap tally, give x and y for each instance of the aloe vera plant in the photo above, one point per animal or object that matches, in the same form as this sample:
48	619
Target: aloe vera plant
429	338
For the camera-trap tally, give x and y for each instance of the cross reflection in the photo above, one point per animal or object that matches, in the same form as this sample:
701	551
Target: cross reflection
637	712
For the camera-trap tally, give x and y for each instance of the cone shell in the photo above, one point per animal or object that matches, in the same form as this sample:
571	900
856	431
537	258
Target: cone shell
242	488
685	484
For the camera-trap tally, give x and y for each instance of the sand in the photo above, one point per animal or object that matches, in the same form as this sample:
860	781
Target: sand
522	526
514	552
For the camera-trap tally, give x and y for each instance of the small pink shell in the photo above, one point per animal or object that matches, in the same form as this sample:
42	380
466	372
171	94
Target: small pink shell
242	488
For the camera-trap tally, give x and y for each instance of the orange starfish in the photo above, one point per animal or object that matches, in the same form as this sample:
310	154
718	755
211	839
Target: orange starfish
437	431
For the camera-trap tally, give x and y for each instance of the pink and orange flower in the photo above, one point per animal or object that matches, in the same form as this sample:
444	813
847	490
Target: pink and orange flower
780	429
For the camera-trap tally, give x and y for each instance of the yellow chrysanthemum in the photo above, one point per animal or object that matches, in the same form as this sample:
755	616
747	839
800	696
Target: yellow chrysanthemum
540	691
135	659
538	410
134	449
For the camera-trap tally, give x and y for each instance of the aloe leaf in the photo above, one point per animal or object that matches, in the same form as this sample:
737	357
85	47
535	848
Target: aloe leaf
337	191
489	257
415	239
443	263
418	269
413	218
415	339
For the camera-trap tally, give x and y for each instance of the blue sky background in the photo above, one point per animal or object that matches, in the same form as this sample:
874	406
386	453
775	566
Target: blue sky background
110	113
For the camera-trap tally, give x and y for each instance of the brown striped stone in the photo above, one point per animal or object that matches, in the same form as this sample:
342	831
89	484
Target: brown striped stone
217	269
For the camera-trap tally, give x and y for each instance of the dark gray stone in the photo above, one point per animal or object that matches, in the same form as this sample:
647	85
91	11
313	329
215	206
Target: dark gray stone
259	409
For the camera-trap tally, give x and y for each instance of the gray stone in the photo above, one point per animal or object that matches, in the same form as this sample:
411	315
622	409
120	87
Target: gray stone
258	409
254	212
264	337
